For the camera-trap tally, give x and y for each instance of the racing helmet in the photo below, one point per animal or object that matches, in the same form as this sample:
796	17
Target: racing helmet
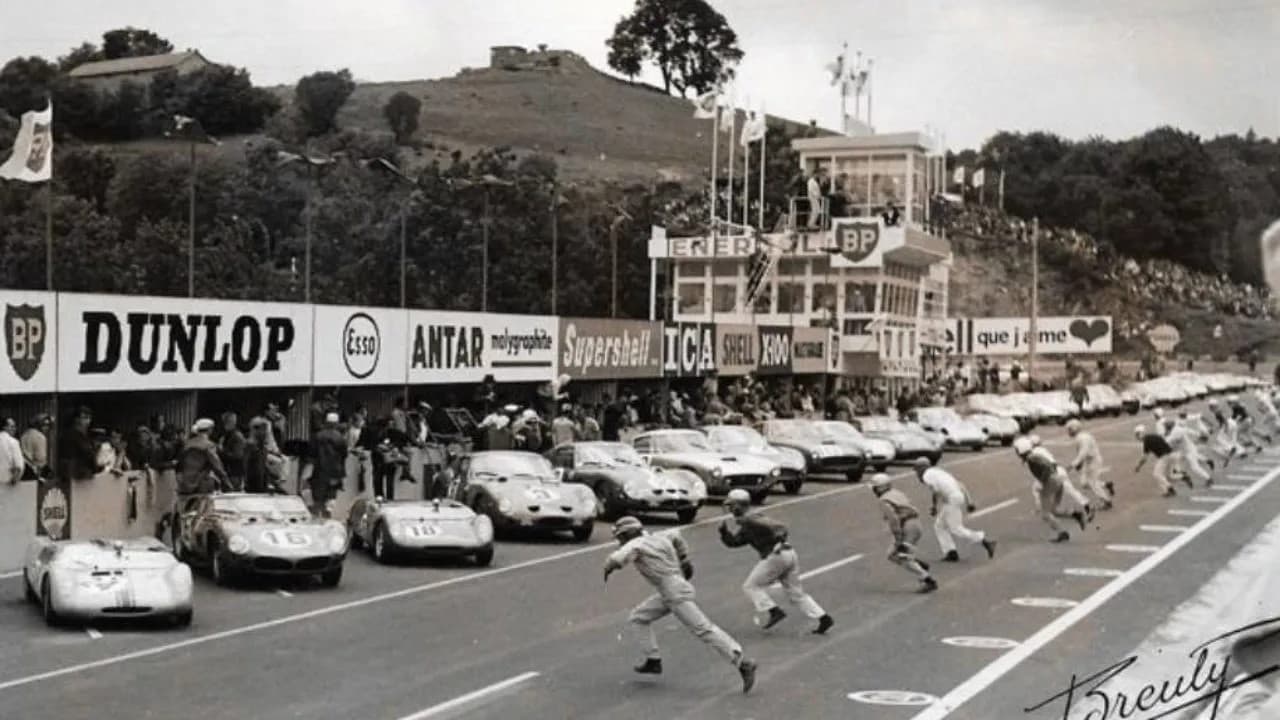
1073	426
1158	413
627	524
1022	445
738	496
1035	440
1140	430
880	481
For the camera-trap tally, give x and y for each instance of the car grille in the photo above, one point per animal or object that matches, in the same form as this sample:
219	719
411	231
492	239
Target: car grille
269	564
745	480
136	610
839	462
554	522
443	549
312	563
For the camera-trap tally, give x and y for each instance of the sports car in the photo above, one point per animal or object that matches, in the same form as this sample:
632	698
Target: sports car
625	484
420	528
956	431
999	428
520	490
107	578
721	472
822	456
745	440
879	453
908	444
242	535
1103	400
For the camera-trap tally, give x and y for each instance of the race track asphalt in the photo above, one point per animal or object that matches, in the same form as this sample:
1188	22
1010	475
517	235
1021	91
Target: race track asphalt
539	635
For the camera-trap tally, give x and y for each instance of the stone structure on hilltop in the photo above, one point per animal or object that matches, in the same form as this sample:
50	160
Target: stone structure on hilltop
517	58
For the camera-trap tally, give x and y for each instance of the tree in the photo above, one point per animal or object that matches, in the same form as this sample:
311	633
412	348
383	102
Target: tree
85	52
221	97
318	98
401	112
133	42
25	83
692	45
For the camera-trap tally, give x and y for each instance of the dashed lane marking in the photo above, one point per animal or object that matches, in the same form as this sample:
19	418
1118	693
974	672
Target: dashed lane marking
1137	549
1093	572
471	697
980	643
93	634
1226	486
994	508
1000	667
892	697
1180	512
1164	528
1207	499
7	575
1044	602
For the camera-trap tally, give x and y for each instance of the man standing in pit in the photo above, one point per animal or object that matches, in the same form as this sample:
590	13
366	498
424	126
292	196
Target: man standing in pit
951	500
1047	487
1088	463
778	562
663	560
904	525
1154	445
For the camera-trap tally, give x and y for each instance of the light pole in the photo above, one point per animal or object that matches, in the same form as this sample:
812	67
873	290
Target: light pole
314	165
487	181
390	168
191	131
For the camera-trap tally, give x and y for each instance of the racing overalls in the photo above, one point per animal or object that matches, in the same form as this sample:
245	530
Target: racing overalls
778	563
1088	462
904	524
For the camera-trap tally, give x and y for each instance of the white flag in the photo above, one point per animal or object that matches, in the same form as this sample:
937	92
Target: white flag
837	70
957	177
32	158
754	129
979	176
704	106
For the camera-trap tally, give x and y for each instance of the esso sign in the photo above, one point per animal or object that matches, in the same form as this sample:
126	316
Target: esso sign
361	345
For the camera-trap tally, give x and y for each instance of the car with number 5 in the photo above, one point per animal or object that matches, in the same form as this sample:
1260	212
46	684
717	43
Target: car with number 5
520	490
100	578
420	528
248	535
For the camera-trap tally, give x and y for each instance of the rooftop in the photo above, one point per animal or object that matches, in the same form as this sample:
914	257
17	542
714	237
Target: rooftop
144	63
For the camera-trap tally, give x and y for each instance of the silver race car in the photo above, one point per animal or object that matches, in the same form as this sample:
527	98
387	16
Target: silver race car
87	579
420	528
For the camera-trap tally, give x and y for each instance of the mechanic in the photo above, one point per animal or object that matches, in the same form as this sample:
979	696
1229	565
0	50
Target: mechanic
903	521
1154	445
1088	464
328	464
1047	487
778	562
950	501
663	560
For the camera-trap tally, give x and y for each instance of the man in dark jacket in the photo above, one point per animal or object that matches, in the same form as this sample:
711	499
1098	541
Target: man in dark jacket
232	450
260	475
76	449
329	464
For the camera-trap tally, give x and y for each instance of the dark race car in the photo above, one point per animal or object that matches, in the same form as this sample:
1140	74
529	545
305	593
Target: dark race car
520	490
624	483
237	535
420	528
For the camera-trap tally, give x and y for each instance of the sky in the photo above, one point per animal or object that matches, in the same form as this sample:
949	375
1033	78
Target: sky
967	69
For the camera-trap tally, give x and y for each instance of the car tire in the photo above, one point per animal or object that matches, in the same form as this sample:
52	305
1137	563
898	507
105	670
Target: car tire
331	578
979	447
792	487
582	533
383	548
222	575
882	467
935	458
854	476
357	542
29	592
686	515
51	617
182	619
484	556
1006	442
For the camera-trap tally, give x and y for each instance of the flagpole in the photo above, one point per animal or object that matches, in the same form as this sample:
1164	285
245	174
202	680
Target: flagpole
733	121
746	182
715	162
1001	189
48	232
764	120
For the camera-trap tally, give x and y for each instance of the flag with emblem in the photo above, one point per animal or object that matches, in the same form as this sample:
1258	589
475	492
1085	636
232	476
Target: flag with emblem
957	177
32	157
704	106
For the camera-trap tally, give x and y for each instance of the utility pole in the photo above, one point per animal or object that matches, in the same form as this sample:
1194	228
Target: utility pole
191	225
1035	298
484	255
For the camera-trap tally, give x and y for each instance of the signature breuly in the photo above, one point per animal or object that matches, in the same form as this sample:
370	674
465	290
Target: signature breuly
1208	680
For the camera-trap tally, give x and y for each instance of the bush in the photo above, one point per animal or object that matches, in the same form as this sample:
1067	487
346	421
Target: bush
318	98
401	112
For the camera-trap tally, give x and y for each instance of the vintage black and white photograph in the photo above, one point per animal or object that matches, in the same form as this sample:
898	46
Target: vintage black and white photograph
640	360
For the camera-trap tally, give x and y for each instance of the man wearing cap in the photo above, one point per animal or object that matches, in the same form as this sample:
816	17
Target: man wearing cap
778	562
329	464
951	500
1088	463
1155	445
1047	487
904	524
663	560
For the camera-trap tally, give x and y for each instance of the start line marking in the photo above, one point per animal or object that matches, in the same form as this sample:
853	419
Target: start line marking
470	697
7	575
1164	528
1190	513
1207	499
1093	572
892	697
93	634
1225	486
1141	549
980	643
830	566
1044	602
993	508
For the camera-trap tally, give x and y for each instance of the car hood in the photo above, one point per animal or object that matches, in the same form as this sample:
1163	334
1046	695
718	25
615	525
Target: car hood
426	511
772	454
89	556
533	491
729	463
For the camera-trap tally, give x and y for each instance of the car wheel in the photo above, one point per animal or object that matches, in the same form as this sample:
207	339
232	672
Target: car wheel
28	591
357	542
854	476
979	447
792	486
382	545
935	458
331	578
1006	442
759	496
583	532
222	575
182	619
882	467
50	615
484	556
686	515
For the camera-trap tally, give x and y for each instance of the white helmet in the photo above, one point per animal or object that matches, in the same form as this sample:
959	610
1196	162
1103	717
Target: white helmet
1140	430
738	496
1022	445
1073	426
1035	440
880	480
1158	413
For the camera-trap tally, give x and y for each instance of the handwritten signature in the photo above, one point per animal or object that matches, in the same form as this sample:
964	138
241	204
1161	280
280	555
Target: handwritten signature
1208	679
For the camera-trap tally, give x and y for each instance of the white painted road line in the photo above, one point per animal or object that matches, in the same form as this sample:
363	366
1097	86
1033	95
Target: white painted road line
1207	499
994	508
830	566
1180	512
1225	486
1164	528
6	575
93	634
1044	602
1093	572
1137	549
1004	664
454	704
283	593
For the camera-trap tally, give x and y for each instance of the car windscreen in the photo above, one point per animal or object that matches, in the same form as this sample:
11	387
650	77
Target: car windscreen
838	431
261	505
680	442
511	465
608	454
881	424
728	437
794	431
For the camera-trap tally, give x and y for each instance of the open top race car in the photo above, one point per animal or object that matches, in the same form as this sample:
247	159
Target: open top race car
518	489
423	528
624	483
238	535
107	578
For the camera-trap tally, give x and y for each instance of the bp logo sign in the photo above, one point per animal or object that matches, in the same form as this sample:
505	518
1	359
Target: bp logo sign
857	241
24	338
361	345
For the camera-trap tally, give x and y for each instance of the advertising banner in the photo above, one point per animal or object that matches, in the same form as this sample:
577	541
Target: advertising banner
596	349
30	342
863	242
688	349
130	342
737	349
775	349
809	349
1060	335
463	347
360	346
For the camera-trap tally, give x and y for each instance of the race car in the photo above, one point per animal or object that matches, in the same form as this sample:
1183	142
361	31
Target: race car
956	431
244	535
420	528
624	484
822	456
908	443
999	428
102	578
520	490
879	453
746	440
721	472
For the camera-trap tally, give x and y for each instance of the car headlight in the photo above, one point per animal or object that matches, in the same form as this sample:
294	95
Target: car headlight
504	506
338	543
716	472
633	489
699	488
484	528
775	472
238	544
